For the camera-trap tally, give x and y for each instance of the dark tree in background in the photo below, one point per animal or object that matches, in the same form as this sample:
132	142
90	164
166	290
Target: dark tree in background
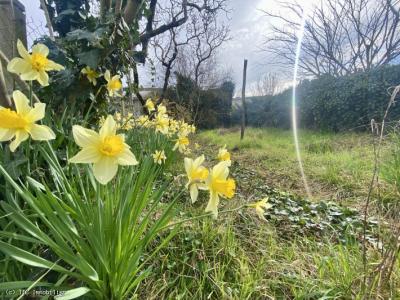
109	34
189	49
340	36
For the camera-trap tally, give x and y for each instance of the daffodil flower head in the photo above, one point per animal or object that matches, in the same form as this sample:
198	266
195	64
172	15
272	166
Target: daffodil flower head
197	174
91	74
173	126
181	144
143	121
261	207
159	157
161	109
33	66
105	150
114	84
223	154
219	185
150	105
162	123
21	123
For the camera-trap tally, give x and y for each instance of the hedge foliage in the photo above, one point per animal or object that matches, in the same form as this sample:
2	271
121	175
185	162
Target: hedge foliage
328	103
209	108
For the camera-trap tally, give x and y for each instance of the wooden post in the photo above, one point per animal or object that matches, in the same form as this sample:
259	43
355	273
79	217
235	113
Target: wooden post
244	109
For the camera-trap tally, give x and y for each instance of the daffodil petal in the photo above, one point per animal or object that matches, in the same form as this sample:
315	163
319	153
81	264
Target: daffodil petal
105	169
188	164
85	137
87	155
31	75
22	50
52	66
6	134
198	161
212	205
221	170
18	65
109	127
37	112
107	75
127	158
40	48
41	133
194	193
21	103
43	78
20	136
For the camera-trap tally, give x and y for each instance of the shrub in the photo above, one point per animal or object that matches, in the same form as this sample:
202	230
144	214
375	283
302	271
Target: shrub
328	103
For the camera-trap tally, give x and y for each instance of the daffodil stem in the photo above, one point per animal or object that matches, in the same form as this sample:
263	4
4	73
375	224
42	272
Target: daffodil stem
92	104
28	149
30	93
203	216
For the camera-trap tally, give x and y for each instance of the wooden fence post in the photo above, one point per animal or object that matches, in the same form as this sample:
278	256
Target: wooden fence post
244	109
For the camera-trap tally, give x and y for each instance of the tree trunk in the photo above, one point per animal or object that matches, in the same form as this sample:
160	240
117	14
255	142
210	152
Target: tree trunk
244	109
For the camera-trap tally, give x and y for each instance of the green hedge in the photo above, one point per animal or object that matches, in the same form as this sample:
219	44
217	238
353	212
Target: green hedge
328	103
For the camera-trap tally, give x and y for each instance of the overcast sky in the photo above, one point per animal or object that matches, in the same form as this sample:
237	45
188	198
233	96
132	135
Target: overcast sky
248	29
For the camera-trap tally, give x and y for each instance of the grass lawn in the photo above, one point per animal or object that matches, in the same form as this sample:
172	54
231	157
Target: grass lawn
240	256
338	166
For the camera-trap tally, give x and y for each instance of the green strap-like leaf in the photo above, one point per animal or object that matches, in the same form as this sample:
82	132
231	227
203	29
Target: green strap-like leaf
29	258
13	285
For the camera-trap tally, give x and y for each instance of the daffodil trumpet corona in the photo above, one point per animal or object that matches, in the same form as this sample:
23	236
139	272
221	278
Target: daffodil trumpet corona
104	149
219	185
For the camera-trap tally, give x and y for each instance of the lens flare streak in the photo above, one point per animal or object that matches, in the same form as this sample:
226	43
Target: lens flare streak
294	111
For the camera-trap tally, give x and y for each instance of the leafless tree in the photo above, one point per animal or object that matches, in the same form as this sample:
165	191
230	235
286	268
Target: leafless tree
340	36
189	49
154	23
267	84
209	36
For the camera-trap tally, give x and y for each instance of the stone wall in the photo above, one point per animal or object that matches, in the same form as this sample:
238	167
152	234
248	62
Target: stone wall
12	27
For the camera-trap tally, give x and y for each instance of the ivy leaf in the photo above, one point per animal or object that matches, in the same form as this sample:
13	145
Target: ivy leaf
90	58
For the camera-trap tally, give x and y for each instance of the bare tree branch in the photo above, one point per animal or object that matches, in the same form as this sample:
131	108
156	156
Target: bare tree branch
340	36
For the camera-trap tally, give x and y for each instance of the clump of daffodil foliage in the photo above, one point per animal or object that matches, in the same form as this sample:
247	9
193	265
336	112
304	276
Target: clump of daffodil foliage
97	211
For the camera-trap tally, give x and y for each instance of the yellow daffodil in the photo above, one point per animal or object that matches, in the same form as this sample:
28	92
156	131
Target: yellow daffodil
33	66
261	207
143	121
21	123
105	150
181	144
150	105
192	128
161	109
91	74
224	155
196	174
173	126
159	157
219	184
162	123
114	84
